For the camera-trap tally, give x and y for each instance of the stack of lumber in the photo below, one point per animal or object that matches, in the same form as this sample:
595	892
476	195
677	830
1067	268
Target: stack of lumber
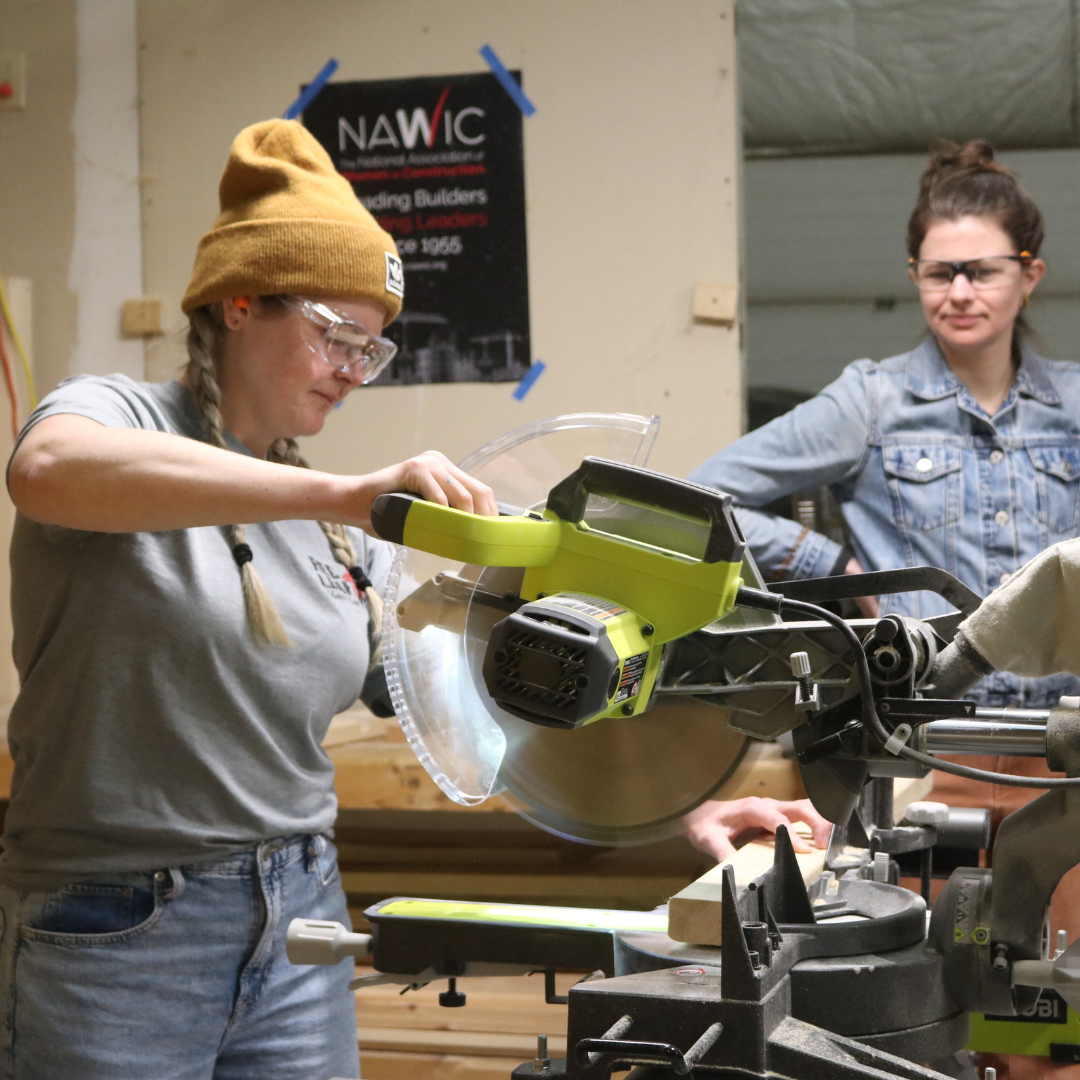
411	1037
398	834
500	858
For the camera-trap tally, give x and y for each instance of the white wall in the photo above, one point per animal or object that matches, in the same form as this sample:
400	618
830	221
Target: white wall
19	292
106	253
632	170
37	175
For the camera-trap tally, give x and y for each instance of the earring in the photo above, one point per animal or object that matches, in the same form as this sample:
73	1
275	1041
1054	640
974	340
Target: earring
1025	299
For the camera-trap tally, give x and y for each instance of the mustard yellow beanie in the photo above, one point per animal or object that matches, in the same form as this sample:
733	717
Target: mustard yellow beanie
290	223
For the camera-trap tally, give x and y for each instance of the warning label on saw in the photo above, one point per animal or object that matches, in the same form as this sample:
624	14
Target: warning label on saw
587	605
964	914
632	673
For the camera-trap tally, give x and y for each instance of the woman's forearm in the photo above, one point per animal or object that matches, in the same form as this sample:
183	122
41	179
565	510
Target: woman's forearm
75	472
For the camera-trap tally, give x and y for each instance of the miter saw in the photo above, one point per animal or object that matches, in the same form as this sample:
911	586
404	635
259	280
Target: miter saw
571	656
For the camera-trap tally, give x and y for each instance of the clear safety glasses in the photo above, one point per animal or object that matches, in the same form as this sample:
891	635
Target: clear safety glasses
343	344
985	274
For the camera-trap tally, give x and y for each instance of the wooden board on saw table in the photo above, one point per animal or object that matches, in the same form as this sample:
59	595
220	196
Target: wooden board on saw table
694	912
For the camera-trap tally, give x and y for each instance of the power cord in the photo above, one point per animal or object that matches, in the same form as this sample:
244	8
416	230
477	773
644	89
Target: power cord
774	602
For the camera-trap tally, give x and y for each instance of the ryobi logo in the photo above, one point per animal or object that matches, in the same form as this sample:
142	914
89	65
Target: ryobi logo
1049	1008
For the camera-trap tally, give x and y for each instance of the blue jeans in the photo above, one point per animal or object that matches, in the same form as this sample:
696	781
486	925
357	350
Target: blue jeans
177	975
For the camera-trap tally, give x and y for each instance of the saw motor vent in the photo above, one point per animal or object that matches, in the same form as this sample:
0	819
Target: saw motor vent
551	670
535	667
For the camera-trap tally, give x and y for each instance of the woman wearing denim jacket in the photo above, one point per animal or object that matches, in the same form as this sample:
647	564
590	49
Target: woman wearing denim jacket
964	453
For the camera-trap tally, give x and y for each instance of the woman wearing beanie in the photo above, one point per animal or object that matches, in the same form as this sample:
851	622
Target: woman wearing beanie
962	454
192	606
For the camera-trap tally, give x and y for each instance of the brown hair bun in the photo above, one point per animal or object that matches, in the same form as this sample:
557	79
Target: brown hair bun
962	180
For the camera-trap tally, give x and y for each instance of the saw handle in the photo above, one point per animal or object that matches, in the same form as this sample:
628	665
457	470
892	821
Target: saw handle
388	514
597	476
507	540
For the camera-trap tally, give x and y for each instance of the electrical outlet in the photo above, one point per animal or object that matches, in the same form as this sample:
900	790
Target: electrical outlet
12	80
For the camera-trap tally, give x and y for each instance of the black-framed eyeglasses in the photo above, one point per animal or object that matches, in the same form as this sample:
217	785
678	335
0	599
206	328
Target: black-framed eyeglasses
988	272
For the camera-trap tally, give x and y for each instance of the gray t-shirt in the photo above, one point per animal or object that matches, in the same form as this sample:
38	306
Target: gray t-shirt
151	730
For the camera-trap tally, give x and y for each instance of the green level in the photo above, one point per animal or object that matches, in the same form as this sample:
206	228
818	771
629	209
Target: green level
528	915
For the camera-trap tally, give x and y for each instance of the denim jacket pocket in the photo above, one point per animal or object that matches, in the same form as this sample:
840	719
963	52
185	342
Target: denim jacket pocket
924	485
1057	470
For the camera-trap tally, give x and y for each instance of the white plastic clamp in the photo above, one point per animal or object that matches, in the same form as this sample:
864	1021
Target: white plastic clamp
312	941
898	738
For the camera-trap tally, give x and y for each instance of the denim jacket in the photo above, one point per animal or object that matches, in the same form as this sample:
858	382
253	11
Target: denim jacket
923	476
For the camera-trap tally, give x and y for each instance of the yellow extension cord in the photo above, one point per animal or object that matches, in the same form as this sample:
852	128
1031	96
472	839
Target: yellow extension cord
14	330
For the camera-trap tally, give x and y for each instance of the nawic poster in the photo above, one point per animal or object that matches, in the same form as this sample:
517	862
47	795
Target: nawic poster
439	162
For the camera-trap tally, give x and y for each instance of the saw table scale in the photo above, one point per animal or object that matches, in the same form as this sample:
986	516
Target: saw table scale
570	656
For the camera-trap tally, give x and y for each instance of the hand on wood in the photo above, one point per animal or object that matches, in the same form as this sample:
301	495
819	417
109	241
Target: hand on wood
719	828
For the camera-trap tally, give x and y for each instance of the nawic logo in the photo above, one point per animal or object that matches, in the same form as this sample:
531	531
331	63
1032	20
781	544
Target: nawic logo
463	126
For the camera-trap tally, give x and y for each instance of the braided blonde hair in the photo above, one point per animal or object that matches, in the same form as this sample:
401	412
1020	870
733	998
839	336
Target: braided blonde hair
205	335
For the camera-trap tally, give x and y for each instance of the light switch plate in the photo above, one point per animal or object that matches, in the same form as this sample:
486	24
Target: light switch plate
13	78
716	304
141	318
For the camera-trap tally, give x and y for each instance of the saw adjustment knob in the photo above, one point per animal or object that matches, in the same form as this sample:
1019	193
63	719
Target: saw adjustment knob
451	997
800	665
806	695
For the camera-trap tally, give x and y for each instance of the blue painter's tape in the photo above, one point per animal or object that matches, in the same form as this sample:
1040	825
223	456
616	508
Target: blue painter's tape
311	91
529	378
509	83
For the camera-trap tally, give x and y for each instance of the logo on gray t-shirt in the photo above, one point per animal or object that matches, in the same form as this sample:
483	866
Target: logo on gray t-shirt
338	580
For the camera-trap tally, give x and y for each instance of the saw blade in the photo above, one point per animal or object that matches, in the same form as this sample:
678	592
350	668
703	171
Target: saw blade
624	780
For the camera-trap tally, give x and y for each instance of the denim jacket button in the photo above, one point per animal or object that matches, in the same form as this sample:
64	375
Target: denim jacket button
997	457
1002	517
924	464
